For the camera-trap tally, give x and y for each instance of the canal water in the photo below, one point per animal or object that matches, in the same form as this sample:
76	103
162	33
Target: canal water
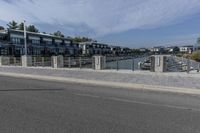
125	64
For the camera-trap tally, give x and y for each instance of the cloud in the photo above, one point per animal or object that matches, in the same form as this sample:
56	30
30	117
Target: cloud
100	17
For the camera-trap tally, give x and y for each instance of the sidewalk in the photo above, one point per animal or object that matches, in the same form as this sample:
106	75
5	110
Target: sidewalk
112	77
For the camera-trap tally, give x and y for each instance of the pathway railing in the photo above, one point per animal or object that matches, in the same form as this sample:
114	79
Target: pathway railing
11	61
182	64
173	63
124	63
39	61
79	62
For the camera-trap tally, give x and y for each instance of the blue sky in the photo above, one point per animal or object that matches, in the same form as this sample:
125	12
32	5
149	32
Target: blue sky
132	23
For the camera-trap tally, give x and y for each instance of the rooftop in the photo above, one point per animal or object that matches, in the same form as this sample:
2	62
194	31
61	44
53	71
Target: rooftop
41	34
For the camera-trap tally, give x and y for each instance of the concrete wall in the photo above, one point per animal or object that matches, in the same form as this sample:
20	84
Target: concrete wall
26	61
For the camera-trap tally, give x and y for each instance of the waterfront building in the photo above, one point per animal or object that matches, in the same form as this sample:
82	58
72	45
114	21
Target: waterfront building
125	51
12	43
94	48
172	49
115	50
186	49
41	44
157	50
144	50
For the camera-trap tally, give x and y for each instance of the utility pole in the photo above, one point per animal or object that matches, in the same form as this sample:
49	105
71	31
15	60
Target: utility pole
25	41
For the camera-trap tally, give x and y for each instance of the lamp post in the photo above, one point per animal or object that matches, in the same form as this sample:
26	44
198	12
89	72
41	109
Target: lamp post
25	41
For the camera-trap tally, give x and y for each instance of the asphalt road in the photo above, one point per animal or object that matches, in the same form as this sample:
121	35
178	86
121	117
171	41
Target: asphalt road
32	106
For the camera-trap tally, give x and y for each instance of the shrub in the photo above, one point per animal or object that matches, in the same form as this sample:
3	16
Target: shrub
196	56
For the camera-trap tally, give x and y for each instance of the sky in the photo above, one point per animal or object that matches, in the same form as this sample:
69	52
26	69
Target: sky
131	23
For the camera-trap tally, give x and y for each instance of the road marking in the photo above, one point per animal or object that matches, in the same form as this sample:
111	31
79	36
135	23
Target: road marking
139	102
153	104
88	95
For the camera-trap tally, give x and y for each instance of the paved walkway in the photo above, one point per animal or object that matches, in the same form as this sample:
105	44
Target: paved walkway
181	80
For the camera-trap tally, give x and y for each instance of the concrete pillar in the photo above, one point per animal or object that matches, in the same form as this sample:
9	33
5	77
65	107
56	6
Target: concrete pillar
99	62
26	61
57	61
158	63
4	60
1	64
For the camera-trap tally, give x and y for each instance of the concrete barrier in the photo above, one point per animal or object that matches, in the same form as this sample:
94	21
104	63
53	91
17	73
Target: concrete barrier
26	61
99	62
158	63
57	61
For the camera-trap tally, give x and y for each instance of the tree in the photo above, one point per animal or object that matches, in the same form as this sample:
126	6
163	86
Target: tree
1	28
58	34
12	25
176	50
197	45
32	28
198	41
196	56
21	26
82	39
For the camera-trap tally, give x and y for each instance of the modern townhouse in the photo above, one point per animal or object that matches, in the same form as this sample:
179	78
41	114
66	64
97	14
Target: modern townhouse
94	48
40	44
172	49
12	43
3	43
125	51
157	50
115	50
143	50
186	49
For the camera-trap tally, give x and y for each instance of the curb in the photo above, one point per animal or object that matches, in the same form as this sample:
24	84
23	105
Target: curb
129	72
106	83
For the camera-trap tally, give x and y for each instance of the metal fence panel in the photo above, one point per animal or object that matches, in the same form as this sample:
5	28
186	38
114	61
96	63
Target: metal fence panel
38	61
79	62
124	63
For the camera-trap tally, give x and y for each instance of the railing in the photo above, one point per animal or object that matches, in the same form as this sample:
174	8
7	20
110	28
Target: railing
79	62
15	61
124	63
180	64
11	61
38	61
117	63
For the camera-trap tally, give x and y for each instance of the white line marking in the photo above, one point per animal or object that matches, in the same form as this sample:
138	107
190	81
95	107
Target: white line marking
87	95
153	104
138	102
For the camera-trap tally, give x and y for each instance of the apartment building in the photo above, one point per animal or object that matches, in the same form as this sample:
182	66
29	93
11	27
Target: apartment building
40	44
12	43
157	50
94	48
186	49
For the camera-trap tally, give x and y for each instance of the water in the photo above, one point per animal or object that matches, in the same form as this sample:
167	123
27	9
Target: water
125	64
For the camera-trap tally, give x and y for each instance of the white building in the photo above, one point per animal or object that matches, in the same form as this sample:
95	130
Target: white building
157	49
186	49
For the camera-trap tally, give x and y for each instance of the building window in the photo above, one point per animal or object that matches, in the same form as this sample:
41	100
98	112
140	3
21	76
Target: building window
48	42
35	41
17	40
